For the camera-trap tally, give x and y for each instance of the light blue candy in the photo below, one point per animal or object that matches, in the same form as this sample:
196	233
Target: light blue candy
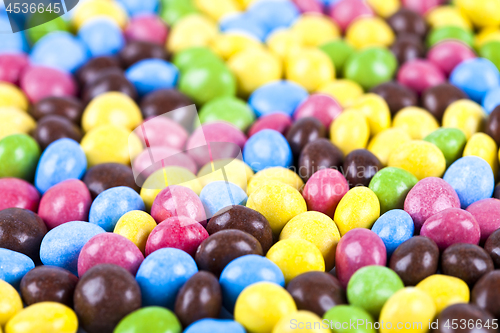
215	326
112	204
10	42
162	274
472	178
245	24
13	266
139	7
220	194
63	159
61	246
278	96
476	77
267	148
102	37
245	271
394	227
266	12
491	100
152	74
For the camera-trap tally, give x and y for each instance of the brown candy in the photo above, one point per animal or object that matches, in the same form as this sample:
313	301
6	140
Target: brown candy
109	81
22	231
67	107
408	21
244	219
486	293
408	47
396	95
165	100
48	284
104	295
200	297
136	51
360	166
436	99
218	250
304	131
492	127
464	318
107	175
492	247
317	155
94	68
467	262
317	292
415	259
53	127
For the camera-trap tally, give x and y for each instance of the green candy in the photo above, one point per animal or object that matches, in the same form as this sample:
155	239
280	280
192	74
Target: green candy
491	51
172	11
19	154
451	141
230	109
443	33
338	51
195	56
371	286
152	319
40	30
391	185
371	67
346	315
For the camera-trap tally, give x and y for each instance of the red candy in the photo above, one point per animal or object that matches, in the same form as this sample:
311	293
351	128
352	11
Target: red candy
487	214
419	75
148	28
170	157
178	201
279	122
324	190
346	11
18	193
322	107
11	66
39	82
448	54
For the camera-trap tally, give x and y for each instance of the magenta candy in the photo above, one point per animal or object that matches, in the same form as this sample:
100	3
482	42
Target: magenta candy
487	214
179	232
162	132
428	197
419	75
322	107
324	190
39	82
451	226
110	248
11	66
170	157
309	6
18	193
448	54
178	201
65	202
279	122
345	12
421	6
147	28
357	249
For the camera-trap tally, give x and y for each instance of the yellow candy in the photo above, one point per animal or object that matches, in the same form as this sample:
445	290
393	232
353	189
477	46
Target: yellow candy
376	110
44	317
445	16
295	256
261	305
280	174
314	30
228	44
311	68
384	8
301	321
482	145
11	96
358	208
369	31
385	142
113	108
317	228
415	121
409	306
136	226
10	302
420	158
486	35
482	13
237	172
346	92
254	68
192	30
92	9
217	9
350	131
110	143
14	120
444	290
283	43
245	3
278	202
465	115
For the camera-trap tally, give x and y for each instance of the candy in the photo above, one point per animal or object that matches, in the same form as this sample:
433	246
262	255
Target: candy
436	99
152	319
52	128
485	293
407	21
279	174
245	24
368	32
18	193
177	9
384	143
395	95
281	96
215	326
232	42
310	68
11	66
370	67
230	109
443	16
451	142
304	131
148	28
14	120
338	51
344	91
235	171
318	155
475	77
283	42
407	48
303	320
481	13
483	146
467	312
96	8
95	68
102	37
488	50
346	11
11	302
19	155
485	212
384	8
107	175
358	208
136	226
220	194
11	96
360	166
376	111
444	290
178	201
45	316
314	30
354	123
14	266
259	155
341	315
450	32
264	13
391	185
135	51
152	74
415	121
448	54
192	30
492	246
394	227
107	81
420	75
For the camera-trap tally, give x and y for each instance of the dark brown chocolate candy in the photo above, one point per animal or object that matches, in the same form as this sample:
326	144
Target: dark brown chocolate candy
317	155
467	262
109	81
408	21
53	127
396	96
136	51
200	297
104	295
107	175
436	99
317	292
415	259
67	107
218	250
360	166
244	219
48	284
486	293
94	68
407	48
464	318
165	100
22	231
304	131
492	127
492	247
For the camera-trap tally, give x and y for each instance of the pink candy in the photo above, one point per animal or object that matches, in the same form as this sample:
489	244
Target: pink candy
322	107
346	11
448	54
309	6
324	190
12	66
279	122
39	82
170	157
178	201
419	75
162	132
18	193
421	6
148	28
487	214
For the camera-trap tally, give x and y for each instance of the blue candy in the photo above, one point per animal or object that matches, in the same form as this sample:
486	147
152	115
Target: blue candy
279	96
152	74
472	179
63	159
162	274
394	228
491	100
13	266
244	24
140	7
244	271
265	149
476	77
215	326
61	246
112	204
266	12
220	194
102	37
10	42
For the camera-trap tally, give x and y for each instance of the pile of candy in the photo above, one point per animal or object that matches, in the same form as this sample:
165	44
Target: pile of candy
338	177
